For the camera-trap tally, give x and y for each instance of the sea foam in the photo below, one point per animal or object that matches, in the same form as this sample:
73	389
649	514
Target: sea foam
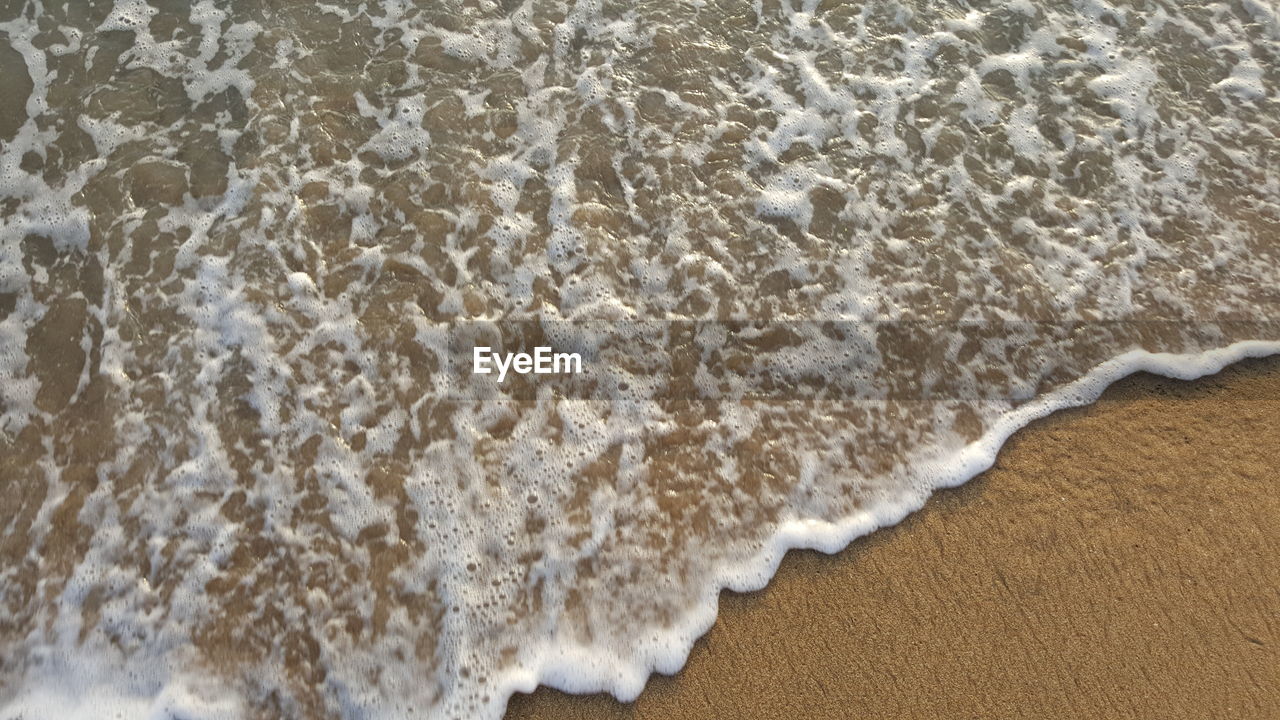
818	261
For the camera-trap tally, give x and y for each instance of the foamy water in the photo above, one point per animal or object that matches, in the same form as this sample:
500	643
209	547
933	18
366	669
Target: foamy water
819	260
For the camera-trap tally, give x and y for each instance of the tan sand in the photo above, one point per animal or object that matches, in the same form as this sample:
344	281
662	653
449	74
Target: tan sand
1120	560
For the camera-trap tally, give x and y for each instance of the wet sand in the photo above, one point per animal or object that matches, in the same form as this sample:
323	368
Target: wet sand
1120	560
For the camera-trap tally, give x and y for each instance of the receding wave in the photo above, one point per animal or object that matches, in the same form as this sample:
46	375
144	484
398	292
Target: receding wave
816	258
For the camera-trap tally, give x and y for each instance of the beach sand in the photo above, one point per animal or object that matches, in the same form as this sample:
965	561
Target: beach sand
1120	560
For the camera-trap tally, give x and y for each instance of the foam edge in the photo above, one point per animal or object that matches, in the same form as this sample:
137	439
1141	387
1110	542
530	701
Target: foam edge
583	670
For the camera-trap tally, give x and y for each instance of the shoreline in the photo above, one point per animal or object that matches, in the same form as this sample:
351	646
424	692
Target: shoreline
1109	428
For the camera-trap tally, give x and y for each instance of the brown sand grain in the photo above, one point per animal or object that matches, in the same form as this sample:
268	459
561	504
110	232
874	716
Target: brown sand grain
1120	560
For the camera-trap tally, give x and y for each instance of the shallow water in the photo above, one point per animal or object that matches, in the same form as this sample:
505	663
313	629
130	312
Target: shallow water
819	258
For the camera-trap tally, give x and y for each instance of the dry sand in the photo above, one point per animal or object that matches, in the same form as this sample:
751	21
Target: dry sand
1119	561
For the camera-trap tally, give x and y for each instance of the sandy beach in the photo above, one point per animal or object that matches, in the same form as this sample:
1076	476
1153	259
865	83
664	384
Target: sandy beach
368	359
1120	560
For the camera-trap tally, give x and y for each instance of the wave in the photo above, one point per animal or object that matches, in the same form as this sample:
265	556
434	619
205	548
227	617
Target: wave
814	262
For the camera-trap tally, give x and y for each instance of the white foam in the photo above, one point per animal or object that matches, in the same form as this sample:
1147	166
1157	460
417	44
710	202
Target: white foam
913	219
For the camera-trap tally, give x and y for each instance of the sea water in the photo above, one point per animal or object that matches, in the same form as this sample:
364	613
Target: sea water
818	259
